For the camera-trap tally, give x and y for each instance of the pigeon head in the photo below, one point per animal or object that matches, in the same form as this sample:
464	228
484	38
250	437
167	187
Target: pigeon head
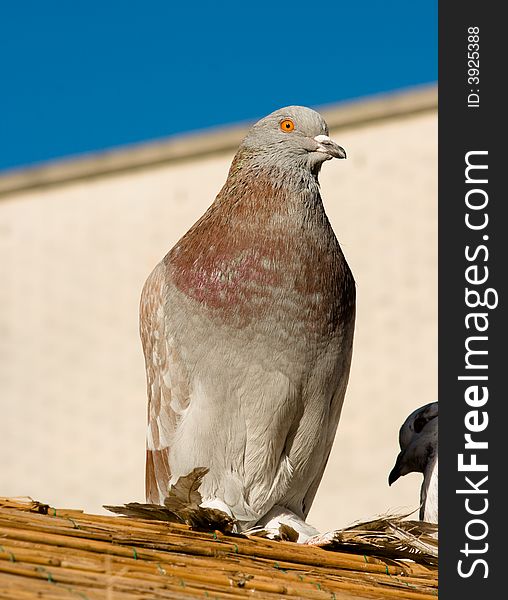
418	442
294	137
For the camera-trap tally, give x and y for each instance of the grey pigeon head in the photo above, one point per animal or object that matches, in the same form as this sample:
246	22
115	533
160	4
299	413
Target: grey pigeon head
291	137
418	442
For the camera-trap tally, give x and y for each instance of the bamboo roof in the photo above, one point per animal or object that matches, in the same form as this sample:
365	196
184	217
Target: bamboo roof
54	554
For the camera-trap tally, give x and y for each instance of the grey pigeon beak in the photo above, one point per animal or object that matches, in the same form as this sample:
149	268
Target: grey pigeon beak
328	146
395	473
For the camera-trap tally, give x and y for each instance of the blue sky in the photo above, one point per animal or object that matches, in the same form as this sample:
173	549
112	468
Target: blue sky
84	76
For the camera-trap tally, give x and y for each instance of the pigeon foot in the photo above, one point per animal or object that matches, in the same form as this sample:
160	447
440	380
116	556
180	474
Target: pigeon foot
282	524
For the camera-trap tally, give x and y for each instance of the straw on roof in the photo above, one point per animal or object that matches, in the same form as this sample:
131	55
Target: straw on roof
59	553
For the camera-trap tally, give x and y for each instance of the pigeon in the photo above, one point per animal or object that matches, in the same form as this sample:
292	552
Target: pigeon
247	329
419	453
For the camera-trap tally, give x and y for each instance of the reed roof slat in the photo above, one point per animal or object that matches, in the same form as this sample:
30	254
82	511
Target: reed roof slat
59	553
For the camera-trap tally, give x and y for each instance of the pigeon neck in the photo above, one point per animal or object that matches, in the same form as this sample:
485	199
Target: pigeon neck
428	494
272	187
430	466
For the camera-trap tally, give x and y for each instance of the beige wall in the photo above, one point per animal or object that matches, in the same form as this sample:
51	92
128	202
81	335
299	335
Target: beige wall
73	259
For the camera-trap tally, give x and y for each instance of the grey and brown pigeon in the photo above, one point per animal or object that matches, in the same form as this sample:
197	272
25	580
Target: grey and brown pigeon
247	330
418	439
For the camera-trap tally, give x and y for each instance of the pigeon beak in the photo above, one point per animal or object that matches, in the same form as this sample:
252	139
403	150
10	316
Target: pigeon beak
396	472
328	146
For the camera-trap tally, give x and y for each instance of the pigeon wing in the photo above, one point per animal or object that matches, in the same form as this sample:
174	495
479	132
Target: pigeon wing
335	411
167	384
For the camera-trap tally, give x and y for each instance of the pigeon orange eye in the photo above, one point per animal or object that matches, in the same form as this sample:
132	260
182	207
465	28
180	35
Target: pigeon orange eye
287	125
